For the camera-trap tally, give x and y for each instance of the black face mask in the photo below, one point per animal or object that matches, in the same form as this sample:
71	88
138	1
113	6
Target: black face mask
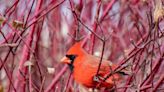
72	58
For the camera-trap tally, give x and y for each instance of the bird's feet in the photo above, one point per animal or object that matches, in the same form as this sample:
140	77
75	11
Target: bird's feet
96	78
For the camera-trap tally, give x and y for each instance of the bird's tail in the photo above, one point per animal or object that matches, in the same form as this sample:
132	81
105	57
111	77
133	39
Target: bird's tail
125	71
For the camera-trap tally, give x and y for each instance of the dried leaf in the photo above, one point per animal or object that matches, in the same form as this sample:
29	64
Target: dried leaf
159	11
17	24
2	20
1	88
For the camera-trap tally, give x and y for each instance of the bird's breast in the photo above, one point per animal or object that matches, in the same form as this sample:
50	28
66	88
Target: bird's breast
84	76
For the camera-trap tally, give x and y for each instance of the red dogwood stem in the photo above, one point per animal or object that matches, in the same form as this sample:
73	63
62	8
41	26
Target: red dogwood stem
56	78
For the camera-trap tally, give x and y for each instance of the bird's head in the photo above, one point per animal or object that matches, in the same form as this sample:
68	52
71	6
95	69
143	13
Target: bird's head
69	59
74	52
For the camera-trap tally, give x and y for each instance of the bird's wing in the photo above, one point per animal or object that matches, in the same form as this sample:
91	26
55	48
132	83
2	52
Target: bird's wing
92	62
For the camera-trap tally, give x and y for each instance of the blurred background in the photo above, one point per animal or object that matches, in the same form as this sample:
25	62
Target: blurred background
36	34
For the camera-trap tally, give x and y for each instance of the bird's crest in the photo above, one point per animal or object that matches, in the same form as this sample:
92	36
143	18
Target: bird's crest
76	49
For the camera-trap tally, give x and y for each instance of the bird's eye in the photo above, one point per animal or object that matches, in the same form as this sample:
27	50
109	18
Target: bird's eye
71	57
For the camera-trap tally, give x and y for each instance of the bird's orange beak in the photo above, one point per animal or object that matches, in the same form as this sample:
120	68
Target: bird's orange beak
65	60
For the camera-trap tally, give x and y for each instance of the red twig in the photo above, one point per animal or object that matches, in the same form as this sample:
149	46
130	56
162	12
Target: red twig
159	82
56	78
25	55
42	15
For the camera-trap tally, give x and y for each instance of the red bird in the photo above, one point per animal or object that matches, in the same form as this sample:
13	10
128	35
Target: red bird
84	68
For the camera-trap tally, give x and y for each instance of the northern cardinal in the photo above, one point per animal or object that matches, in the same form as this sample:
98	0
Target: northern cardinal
84	68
